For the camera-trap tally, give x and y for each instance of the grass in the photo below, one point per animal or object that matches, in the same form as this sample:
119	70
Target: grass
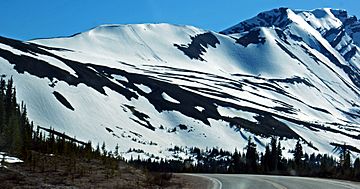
50	171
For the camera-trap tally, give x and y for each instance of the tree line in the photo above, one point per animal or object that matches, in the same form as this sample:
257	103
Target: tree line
252	161
18	137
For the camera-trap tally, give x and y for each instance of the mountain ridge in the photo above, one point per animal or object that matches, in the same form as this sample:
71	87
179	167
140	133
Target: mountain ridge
156	86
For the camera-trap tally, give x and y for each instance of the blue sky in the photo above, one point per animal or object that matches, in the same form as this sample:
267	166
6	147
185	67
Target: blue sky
28	19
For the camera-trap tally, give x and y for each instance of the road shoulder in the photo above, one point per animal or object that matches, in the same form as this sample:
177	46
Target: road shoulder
191	181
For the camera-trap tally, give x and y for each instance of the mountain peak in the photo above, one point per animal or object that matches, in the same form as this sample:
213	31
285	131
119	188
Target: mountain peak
319	19
115	29
274	17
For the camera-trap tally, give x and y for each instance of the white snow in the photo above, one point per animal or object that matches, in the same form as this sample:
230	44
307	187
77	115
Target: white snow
119	77
169	98
9	159
144	88
231	112
148	50
200	108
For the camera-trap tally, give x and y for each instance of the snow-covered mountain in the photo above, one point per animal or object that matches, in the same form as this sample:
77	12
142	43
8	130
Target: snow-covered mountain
287	73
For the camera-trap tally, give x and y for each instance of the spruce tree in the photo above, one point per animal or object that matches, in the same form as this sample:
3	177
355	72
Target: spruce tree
267	160
298	154
251	156
357	168
16	136
2	105
97	150
8	101
103	148
236	162
273	154
279	156
116	152
345	157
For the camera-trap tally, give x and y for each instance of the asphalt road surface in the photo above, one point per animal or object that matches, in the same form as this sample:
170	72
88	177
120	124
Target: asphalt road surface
237	181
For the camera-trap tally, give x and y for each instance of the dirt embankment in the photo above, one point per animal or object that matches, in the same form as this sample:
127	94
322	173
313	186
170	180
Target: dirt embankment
49	171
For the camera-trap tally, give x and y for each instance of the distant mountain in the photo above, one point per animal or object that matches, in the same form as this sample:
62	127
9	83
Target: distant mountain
286	73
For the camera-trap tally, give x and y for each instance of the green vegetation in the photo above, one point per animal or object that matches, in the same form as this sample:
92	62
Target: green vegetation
252	162
37	147
18	138
16	133
52	158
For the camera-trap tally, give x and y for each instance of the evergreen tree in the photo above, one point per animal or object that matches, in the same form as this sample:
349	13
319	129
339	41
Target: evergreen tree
357	164
357	168
103	149
2	87
273	154
16	137
14	105
298	154
116	152
267	160
11	126
236	162
2	105
347	162
345	157
97	150
8	101
279	156
251	156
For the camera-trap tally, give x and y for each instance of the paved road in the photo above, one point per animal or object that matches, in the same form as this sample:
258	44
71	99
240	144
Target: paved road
229	181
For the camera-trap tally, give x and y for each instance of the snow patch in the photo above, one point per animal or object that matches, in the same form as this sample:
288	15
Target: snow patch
200	108
169	98
9	159
231	112
120	77
144	88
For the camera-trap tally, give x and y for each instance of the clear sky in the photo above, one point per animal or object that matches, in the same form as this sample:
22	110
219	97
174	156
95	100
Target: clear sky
28	19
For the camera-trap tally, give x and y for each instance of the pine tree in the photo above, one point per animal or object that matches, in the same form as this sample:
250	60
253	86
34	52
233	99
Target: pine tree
8	100
14	104
345	157
97	150
2	87
298	154
8	97
2	105
251	156
267	160
273	155
103	148
279	156
116	152
16	135
26	131
236	162
13	139
357	168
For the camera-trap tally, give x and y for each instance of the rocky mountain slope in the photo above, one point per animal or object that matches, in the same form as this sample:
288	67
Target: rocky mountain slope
287	73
